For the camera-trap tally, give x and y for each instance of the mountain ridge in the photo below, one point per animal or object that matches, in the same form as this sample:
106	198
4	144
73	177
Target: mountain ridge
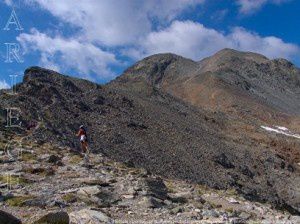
141	119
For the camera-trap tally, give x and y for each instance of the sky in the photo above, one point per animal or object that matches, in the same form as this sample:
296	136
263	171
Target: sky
98	39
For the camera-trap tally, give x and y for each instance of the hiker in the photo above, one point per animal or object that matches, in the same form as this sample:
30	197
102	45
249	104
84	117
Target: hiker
83	139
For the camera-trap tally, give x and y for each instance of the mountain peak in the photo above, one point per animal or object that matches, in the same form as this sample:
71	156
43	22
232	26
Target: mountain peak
36	72
228	54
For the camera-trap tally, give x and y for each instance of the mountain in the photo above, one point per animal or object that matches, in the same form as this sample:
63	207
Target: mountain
228	81
195	121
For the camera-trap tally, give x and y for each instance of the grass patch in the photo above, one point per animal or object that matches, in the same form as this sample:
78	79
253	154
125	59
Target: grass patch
75	159
69	198
28	157
202	189
214	205
231	192
170	186
229	210
18	201
13	180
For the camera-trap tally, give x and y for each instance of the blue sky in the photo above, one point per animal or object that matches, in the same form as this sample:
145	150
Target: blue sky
97	40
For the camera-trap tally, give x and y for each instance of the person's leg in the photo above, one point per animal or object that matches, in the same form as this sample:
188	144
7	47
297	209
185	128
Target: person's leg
86	146
83	147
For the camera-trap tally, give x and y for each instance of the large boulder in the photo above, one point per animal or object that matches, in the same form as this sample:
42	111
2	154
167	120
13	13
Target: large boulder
6	218
54	218
89	216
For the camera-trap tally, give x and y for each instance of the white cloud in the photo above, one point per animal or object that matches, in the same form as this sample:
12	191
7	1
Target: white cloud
187	38
4	84
193	40
61	54
250	6
269	46
114	22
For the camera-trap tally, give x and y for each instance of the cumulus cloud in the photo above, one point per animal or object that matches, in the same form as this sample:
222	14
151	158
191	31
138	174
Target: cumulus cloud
193	40
4	84
61	54
114	22
270	46
251	6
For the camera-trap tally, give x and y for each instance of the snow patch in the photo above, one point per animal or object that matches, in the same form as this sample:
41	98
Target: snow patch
281	130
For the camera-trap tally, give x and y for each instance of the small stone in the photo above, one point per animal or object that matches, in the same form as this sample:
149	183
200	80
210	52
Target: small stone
88	191
60	163
93	182
233	201
210	213
245	215
167	202
128	196
176	210
151	202
238	221
200	199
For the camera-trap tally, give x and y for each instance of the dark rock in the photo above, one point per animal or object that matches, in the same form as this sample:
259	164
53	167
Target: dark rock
6	218
156	188
136	126
246	171
238	221
53	159
100	100
290	168
54	218
224	161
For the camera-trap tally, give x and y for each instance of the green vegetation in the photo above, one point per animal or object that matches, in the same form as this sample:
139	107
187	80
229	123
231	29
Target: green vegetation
69	198
13	180
28	157
170	186
75	159
18	201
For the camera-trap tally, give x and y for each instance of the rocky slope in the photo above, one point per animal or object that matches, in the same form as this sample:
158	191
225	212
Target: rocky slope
53	184
145	119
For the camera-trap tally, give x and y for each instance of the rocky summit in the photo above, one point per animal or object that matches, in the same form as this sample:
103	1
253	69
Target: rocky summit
171	140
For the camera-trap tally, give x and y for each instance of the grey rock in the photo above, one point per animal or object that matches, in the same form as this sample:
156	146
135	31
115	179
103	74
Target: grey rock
210	213
89	216
151	202
238	221
245	215
176	210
